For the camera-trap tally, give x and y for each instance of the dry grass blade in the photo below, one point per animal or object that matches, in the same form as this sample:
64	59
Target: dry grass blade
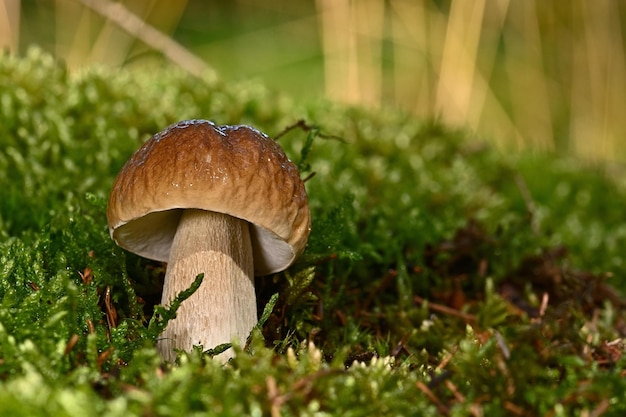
524	66
131	23
458	64
338	44
9	24
524	75
440	308
511	72
598	81
443	409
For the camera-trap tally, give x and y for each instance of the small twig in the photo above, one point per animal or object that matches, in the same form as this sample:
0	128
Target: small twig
528	201
447	359
601	408
90	326
514	409
111	312
70	344
544	304
103	357
302	387
135	26
276	400
400	346
504	348
313	132
302	124
470	318
308	177
432	397
454	390
510	384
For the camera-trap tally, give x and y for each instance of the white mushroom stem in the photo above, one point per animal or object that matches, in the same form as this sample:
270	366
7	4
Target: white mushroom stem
223	309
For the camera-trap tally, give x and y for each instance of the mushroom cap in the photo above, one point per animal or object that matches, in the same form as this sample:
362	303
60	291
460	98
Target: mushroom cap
234	170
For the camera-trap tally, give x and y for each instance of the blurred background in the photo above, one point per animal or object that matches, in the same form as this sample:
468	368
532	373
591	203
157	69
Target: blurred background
532	74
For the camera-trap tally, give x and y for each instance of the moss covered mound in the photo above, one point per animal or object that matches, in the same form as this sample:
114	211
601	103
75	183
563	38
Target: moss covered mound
442	277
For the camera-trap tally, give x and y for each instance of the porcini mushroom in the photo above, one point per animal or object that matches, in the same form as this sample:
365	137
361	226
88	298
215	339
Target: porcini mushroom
220	200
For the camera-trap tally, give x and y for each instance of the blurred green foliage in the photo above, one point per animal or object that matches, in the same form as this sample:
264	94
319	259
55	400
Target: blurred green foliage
408	218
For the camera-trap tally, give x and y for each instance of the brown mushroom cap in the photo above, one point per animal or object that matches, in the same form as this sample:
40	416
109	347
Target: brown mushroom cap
235	170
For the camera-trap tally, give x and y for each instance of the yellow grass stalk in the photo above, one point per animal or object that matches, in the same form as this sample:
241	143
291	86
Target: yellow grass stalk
113	45
487	115
458	63
598	102
339	50
352	37
9	24
528	88
73	33
369	19
415	30
110	35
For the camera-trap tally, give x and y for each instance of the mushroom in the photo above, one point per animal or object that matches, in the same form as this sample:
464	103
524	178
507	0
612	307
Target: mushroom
220	200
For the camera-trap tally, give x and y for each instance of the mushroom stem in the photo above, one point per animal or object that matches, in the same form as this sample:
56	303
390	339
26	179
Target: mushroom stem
223	309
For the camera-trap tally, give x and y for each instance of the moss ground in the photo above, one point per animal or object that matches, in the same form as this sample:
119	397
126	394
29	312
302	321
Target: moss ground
442	277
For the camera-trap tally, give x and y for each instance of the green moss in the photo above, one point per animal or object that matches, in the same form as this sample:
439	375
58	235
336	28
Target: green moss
419	293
